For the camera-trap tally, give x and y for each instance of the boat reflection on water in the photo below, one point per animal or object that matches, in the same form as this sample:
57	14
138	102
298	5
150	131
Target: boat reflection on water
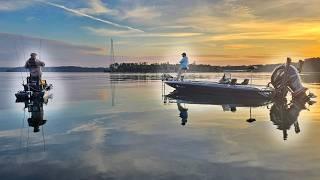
36	115
183	113
35	108
282	113
228	104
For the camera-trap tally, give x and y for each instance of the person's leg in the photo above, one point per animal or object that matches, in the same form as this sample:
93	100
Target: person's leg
182	74
179	74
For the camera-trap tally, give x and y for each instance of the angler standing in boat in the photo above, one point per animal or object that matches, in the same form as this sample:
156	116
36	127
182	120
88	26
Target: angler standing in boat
34	65
184	66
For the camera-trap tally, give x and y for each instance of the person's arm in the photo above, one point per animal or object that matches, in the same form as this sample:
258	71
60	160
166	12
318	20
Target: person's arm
182	60
41	63
26	65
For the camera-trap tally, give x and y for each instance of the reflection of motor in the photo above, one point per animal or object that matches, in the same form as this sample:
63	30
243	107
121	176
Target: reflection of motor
284	116
286	77
36	110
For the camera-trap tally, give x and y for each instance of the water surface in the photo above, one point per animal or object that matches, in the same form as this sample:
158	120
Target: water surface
120	127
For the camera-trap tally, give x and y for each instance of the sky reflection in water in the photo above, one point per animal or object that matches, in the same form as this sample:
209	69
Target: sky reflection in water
97	128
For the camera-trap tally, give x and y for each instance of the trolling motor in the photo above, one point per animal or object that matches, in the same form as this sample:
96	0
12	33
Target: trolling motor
286	78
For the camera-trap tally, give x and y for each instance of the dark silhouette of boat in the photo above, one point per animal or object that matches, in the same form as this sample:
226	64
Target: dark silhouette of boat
34	89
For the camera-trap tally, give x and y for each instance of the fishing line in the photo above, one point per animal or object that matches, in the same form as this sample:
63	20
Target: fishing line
24	53
17	56
40	49
28	140
44	142
24	117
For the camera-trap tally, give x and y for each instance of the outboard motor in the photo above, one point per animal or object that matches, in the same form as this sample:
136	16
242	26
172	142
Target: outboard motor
286	77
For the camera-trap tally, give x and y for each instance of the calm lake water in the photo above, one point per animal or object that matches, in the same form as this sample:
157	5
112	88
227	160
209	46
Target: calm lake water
120	127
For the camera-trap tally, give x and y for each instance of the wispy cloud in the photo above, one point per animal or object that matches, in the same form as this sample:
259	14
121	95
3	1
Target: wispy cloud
130	33
257	30
13	5
14	49
98	7
141	14
77	12
263	30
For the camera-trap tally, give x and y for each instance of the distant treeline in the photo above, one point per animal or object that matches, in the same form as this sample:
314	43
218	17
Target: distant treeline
58	69
166	67
310	65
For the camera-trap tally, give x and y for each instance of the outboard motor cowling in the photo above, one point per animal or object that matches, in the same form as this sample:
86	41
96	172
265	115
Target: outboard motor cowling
287	76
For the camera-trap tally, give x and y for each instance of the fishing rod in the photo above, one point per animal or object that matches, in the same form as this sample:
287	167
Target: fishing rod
40	45
23	51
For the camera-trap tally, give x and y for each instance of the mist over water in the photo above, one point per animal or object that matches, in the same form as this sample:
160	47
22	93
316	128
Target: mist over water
118	126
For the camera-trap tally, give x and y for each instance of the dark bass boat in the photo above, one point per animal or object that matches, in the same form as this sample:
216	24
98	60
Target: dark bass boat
285	78
33	89
223	88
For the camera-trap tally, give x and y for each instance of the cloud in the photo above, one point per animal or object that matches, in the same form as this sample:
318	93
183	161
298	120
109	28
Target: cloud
264	30
141	14
79	13
130	33
239	46
98	7
15	49
226	27
282	9
13	5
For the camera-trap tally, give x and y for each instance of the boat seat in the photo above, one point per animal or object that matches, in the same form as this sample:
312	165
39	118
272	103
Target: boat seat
233	82
245	82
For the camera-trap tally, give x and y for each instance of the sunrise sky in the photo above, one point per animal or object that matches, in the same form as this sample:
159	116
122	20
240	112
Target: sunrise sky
221	32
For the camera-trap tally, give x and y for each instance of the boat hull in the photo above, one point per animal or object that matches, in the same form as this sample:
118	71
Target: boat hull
25	95
224	90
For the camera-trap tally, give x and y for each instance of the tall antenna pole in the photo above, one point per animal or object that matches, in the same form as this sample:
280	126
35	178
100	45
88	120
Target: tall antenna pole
112	52
112	83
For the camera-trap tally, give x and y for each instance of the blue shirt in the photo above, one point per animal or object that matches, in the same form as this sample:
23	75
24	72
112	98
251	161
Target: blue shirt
184	63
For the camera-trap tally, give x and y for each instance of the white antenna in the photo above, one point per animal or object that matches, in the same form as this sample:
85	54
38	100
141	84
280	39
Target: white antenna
112	52
113	87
